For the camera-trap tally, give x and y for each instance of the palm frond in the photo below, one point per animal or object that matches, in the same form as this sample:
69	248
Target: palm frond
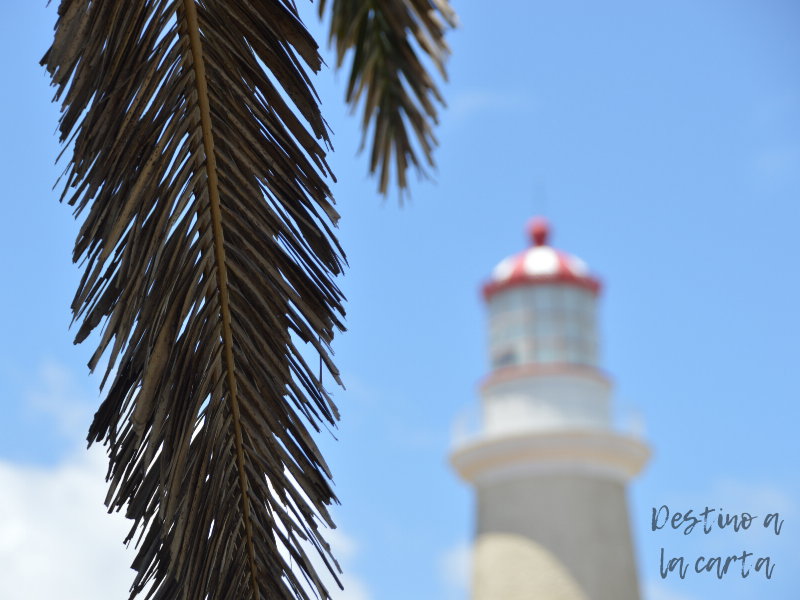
399	91
208	255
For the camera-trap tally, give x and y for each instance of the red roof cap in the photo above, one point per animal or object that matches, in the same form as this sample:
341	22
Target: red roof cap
540	264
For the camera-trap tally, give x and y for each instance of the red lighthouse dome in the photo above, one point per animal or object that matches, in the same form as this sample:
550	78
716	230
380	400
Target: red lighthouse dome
539	264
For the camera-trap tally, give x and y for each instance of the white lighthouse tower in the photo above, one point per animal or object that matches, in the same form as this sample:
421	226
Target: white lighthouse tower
548	469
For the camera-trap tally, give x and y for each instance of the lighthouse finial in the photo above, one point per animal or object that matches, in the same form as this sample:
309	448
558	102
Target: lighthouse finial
539	230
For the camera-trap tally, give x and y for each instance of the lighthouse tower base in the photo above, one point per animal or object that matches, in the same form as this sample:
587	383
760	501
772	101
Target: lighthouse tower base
577	532
513	567
552	508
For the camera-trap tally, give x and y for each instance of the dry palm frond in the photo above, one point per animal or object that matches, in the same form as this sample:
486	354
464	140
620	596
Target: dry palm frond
208	254
386	66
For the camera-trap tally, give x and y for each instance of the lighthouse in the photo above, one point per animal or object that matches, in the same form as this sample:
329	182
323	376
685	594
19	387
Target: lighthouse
548	467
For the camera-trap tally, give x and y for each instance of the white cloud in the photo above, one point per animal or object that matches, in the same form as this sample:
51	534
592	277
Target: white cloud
455	568
655	590
57	541
56	538
345	549
738	495
755	498
57	396
468	103
776	165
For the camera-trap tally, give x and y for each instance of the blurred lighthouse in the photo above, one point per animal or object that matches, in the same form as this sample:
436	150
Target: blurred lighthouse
548	468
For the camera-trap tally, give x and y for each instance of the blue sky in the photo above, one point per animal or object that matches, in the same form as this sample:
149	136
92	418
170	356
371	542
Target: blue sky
662	139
